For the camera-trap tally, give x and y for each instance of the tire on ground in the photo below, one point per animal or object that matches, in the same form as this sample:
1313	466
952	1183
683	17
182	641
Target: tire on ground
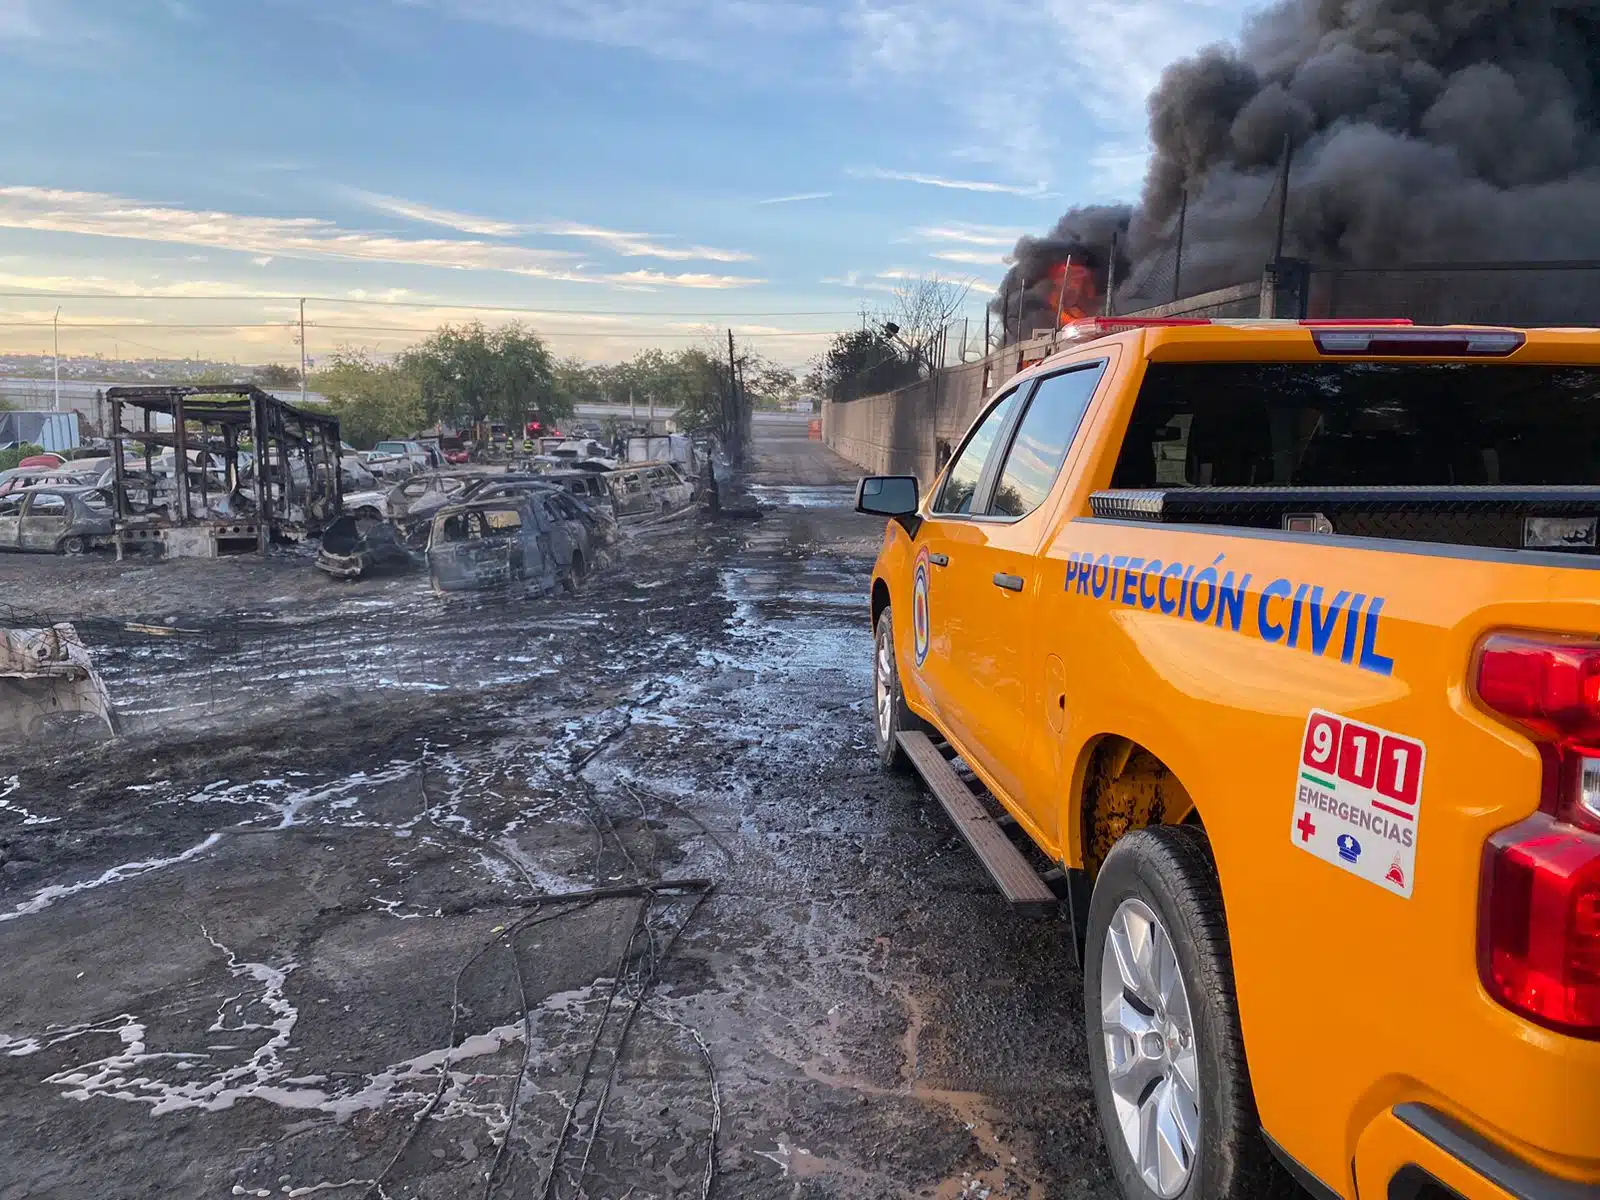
890	716
1170	870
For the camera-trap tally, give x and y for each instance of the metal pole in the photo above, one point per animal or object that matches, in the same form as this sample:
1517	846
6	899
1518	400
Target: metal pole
302	352
1283	196
56	359
1177	268
1111	272
1061	296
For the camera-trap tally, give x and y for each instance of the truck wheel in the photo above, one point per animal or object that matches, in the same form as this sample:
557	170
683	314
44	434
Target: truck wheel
1165	1051
890	716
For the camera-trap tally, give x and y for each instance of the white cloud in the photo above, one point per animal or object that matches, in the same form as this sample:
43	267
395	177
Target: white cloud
966	233
629	245
1037	67
636	245
702	31
261	260
1035	190
101	215
428	215
798	197
970	257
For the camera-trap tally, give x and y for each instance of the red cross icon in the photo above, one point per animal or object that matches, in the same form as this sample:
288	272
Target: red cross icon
1305	827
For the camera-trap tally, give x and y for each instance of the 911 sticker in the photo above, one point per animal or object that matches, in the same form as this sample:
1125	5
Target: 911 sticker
1358	799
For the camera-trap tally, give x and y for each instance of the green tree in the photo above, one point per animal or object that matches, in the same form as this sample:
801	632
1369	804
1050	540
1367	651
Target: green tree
468	372
373	400
277	375
862	362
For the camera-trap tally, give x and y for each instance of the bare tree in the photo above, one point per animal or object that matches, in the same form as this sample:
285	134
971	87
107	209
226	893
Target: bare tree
919	313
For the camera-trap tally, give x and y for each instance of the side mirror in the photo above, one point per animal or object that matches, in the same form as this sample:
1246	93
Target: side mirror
887	495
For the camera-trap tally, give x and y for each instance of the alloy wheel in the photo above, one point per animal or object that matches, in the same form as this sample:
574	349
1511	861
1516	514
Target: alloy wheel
1150	1048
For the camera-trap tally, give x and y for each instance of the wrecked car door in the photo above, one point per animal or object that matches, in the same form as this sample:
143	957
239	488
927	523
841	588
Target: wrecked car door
44	521
10	519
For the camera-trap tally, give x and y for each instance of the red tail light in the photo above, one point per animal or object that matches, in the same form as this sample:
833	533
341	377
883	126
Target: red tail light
1539	924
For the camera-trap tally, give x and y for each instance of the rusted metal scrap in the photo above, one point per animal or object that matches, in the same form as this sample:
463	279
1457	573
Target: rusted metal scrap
46	673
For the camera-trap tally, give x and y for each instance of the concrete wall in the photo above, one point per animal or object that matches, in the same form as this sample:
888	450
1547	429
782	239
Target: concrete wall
901	432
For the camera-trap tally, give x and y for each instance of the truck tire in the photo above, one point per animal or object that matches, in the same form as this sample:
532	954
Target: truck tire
890	716
1165	1052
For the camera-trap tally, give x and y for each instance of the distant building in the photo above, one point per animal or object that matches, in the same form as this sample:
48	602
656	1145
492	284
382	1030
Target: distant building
52	430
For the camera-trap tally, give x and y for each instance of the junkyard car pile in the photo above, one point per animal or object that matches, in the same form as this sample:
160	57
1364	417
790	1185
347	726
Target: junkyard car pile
548	524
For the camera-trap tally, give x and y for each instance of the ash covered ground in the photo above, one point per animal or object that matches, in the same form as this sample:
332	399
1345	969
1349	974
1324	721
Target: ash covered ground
301	931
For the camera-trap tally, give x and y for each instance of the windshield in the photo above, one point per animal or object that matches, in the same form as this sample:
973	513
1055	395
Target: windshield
1362	424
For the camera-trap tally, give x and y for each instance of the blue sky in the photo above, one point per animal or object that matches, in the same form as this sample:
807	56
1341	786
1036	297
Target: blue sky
636	171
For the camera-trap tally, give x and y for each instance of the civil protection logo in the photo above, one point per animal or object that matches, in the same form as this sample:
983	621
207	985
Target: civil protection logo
919	608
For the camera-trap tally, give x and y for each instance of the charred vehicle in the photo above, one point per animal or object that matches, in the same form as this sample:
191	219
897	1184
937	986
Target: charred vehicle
580	536
649	489
353	548
491	543
415	495
56	520
589	488
45	673
286	485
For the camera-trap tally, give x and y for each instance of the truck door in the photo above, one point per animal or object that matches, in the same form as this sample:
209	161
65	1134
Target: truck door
940	608
998	682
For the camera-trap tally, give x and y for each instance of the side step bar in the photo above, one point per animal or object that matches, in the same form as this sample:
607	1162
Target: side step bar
1017	880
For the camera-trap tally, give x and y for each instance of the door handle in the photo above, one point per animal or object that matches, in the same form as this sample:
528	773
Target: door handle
1011	583
939	560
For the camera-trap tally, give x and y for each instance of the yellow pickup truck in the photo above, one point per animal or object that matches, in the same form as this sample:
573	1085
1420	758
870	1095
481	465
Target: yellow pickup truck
1215	613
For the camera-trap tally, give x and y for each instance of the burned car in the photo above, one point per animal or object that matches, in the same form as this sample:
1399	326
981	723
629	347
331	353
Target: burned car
650	490
56	520
416	494
491	543
590	532
354	548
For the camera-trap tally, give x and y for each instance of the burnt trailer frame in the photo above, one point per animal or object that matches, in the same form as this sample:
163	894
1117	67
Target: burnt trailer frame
280	436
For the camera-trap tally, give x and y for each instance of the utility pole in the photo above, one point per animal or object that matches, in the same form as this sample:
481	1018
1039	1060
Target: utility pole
302	351
1111	272
731	421
55	358
1283	195
1061	297
1177	269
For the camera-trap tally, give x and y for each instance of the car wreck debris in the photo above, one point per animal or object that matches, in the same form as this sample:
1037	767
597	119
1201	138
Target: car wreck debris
45	673
286	485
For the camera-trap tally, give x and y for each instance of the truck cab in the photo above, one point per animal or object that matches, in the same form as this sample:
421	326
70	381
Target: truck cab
1279	640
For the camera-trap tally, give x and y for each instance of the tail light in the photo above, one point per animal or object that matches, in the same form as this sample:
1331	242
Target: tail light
1539	922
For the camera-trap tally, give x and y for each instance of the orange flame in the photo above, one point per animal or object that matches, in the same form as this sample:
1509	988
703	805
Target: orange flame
1071	287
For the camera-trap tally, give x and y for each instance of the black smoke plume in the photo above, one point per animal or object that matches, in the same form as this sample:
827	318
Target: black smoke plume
1421	131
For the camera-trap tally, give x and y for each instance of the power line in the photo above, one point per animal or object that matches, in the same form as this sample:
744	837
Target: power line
716	314
287	326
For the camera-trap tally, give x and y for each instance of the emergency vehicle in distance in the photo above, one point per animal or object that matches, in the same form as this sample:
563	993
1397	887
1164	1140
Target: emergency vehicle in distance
1281	641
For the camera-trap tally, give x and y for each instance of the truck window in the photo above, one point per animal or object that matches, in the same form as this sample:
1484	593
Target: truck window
961	484
1043	438
1362	424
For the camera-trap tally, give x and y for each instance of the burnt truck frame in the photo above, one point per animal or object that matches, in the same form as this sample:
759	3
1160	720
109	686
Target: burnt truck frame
283	438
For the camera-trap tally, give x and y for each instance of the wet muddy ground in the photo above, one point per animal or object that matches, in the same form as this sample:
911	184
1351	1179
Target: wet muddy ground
371	899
